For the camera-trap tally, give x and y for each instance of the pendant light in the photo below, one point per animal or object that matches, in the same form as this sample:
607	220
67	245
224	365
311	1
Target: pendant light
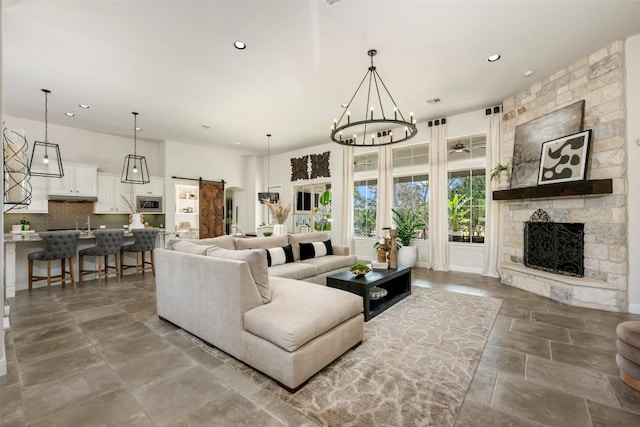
268	196
45	156
134	170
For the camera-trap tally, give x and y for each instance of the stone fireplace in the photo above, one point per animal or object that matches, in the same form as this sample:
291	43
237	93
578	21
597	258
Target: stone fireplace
598	80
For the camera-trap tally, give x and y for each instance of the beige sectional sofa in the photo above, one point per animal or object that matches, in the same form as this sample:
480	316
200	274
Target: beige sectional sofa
222	291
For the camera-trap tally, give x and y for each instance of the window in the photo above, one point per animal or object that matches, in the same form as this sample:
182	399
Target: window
365	162
467	205
473	147
412	193
365	199
416	155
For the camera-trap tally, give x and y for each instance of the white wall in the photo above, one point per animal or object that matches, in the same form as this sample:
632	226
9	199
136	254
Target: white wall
208	163
632	55
93	148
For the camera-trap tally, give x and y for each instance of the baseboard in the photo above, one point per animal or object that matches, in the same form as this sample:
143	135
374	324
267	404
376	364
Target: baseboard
634	308
463	269
3	367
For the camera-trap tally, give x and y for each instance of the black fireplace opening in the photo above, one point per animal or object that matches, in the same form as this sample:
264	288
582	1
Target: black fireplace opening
556	247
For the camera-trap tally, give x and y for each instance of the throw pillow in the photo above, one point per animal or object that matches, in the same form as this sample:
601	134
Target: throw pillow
315	249
277	256
257	261
190	247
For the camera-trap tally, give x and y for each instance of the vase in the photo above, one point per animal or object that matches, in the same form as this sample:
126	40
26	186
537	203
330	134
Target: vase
279	229
135	221
408	255
503	180
393	249
382	255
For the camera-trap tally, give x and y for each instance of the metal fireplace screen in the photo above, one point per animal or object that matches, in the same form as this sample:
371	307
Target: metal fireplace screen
554	247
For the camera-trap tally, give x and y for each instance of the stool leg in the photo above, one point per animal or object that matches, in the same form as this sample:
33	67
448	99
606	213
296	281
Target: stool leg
30	274
48	276
99	268
62	272
73	279
81	267
153	263
118	271
106	267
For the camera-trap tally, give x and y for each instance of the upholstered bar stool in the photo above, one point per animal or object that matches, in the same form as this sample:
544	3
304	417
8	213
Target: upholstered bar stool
145	242
60	245
108	242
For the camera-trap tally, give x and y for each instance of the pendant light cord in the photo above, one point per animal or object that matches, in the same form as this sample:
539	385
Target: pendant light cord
46	113
268	162
135	133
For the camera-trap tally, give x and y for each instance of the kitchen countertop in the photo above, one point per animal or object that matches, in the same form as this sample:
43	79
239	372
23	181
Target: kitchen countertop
33	237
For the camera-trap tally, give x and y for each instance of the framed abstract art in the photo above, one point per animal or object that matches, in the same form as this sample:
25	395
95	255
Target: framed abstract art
564	159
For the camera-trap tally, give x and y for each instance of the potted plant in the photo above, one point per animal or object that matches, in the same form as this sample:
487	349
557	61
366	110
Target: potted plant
501	174
407	223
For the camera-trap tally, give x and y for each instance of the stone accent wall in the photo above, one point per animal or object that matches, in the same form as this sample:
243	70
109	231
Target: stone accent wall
599	79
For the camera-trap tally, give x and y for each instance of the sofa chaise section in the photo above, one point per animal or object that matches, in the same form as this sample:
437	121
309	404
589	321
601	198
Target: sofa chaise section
303	327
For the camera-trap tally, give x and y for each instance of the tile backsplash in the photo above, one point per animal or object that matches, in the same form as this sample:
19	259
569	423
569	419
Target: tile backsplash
69	215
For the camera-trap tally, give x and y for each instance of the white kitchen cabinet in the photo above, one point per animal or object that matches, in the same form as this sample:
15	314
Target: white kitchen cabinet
155	187
39	197
78	180
110	192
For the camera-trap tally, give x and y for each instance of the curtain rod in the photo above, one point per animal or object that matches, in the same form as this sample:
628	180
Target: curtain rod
196	179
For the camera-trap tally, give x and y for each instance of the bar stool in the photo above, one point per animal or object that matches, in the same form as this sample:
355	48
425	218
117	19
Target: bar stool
60	245
108	242
145	242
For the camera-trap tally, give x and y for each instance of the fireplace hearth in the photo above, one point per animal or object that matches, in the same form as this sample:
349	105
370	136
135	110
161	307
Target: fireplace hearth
554	246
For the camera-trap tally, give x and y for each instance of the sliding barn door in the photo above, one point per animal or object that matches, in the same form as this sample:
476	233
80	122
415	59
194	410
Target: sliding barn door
211	209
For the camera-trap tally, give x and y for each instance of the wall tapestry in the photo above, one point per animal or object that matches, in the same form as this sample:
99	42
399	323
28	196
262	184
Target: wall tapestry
300	168
320	165
564	159
530	136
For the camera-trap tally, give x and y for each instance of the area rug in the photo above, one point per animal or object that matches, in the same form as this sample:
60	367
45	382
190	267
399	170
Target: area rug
413	368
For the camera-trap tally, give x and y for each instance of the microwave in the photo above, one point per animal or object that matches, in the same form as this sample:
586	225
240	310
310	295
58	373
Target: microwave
150	204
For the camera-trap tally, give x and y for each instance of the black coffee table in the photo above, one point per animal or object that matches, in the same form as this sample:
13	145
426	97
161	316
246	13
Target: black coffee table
397	283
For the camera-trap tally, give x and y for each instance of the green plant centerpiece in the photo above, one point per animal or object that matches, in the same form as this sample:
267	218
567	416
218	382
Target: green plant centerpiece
359	269
407	223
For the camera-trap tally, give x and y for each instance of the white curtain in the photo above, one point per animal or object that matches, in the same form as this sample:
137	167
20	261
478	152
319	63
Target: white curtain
438	206
346	216
385	187
494	209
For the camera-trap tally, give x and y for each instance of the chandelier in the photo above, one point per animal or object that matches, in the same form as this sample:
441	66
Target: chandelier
376	129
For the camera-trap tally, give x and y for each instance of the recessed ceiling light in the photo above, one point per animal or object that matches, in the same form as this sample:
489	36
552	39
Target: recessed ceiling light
529	73
237	143
138	129
239	44
493	58
83	106
69	114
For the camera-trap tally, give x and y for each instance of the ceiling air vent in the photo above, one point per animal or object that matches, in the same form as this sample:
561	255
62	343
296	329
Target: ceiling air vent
332	2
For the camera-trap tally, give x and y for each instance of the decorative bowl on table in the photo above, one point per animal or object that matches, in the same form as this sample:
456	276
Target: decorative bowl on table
359	269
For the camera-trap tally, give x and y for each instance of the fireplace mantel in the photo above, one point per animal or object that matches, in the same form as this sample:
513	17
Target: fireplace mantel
574	188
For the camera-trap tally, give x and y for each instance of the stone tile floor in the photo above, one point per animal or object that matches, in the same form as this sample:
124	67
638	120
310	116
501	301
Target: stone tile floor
99	355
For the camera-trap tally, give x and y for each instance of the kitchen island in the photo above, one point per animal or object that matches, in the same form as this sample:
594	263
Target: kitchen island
18	246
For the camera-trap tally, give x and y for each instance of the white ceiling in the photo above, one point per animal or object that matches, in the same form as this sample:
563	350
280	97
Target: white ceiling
174	62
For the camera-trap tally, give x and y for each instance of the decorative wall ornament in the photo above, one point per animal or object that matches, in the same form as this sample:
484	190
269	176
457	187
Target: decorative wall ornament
320	165
300	168
564	159
17	185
